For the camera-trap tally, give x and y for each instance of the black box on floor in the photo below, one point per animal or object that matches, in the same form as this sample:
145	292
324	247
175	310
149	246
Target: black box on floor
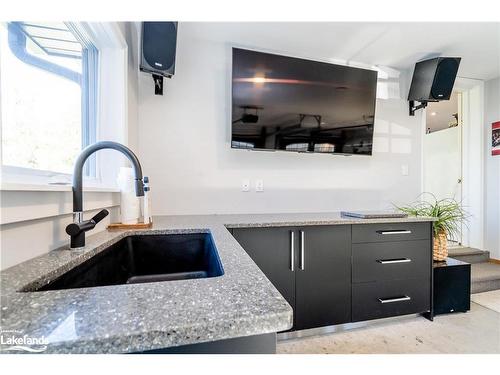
451	286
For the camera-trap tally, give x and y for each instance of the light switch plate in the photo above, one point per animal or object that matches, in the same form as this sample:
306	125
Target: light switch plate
259	185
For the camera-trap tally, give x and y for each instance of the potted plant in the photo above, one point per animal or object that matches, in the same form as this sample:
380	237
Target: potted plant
448	214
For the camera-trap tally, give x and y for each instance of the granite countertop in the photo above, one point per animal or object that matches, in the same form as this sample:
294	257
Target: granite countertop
138	317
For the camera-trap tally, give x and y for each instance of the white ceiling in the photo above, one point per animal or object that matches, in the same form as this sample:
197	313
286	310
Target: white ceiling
440	114
396	45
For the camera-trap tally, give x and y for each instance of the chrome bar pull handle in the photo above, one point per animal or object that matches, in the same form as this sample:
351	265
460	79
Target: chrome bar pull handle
394	261
392	300
292	251
302	250
384	232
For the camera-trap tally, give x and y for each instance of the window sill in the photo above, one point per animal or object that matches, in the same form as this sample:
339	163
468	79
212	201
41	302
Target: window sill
29	202
46	187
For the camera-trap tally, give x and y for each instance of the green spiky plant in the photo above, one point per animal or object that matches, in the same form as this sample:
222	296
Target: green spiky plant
448	212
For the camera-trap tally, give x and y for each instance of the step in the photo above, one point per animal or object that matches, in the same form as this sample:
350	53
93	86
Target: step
469	254
485	277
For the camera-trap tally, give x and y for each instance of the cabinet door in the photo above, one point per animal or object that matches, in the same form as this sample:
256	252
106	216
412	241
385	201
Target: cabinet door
271	250
323	276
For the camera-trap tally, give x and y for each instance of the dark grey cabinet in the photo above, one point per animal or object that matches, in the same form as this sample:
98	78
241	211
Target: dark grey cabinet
387	298
391	269
390	261
323	277
388	232
272	249
345	273
310	267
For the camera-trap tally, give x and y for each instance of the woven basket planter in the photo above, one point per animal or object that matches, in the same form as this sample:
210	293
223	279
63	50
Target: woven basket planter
440	251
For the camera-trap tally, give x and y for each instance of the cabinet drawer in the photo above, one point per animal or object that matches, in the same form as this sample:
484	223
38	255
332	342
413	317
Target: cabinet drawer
388	298
389	232
391	260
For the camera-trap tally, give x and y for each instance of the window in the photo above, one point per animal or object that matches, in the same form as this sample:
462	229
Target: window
48	77
297	147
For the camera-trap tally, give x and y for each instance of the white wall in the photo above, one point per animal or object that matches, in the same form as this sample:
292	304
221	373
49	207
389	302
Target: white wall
492	170
184	144
130	32
34	222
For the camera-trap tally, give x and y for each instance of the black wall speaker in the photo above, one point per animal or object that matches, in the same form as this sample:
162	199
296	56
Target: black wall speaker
433	79
159	41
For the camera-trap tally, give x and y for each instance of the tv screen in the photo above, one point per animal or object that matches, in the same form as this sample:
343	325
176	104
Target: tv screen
291	104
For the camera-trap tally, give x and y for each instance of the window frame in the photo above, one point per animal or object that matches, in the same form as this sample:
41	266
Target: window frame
88	81
112	113
89	87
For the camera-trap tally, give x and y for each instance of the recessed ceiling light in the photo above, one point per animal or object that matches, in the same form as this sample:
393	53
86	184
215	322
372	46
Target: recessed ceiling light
433	113
259	79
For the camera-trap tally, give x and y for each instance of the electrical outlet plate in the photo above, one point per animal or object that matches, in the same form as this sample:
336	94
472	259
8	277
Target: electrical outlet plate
245	185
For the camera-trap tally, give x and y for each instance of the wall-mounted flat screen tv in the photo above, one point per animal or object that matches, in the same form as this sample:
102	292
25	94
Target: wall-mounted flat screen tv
291	104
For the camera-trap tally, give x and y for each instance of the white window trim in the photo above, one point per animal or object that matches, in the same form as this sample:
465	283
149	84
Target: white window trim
111	122
112	98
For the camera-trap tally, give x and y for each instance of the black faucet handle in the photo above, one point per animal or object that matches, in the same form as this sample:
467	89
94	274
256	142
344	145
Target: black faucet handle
100	215
73	229
76	229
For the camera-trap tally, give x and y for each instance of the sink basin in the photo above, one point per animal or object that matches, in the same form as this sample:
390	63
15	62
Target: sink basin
145	258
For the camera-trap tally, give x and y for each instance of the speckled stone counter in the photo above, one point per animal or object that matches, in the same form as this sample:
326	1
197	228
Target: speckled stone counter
140	317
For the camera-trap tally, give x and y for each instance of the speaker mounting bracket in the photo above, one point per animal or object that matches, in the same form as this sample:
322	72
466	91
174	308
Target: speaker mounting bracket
414	108
158	80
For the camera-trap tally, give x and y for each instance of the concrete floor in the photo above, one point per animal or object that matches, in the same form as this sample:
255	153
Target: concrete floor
477	331
490	300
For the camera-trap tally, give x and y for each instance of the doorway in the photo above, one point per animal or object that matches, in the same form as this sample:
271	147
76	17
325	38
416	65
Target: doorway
443	152
460	171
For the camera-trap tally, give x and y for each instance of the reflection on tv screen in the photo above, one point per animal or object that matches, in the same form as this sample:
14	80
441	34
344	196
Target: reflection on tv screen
291	104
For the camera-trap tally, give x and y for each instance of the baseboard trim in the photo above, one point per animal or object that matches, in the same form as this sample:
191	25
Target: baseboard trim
493	260
283	336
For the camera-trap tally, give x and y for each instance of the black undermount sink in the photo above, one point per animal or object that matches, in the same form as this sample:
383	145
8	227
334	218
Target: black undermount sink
145	258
